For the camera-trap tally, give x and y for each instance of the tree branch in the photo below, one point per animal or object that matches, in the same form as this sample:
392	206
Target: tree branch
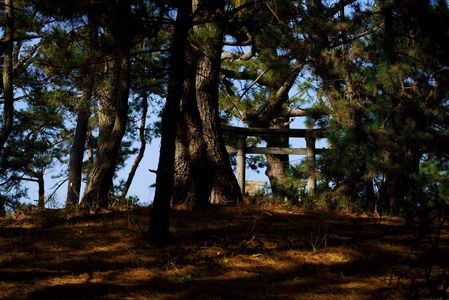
4	40
293	112
26	60
241	55
56	189
238	55
248	42
288	83
335	8
245	75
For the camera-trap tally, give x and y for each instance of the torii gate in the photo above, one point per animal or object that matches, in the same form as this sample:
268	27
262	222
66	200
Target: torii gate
241	149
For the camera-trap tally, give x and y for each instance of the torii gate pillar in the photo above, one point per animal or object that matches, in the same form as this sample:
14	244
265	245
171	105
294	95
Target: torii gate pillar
310	149
241	164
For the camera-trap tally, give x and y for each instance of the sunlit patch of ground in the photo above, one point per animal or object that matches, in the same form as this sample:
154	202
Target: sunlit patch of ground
222	253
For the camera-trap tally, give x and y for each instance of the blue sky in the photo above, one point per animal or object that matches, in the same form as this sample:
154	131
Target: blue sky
141	186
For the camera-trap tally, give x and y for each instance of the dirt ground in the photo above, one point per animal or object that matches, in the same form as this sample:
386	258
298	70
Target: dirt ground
222	253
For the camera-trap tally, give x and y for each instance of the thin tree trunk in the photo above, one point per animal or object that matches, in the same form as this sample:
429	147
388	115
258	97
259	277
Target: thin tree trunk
41	191
76	159
82	123
143	143
2	206
370	195
8	92
159	221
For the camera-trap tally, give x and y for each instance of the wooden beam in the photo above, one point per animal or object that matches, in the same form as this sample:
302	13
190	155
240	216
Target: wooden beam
293	112
275	150
253	131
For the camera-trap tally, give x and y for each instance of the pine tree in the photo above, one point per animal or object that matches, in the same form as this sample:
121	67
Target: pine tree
7	74
113	106
378	79
203	172
159	222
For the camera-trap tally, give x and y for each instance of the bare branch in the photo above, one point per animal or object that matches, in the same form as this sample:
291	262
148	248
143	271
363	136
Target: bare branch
245	75
248	42
26	60
56	189
288	83
241	55
252	84
20	38
293	112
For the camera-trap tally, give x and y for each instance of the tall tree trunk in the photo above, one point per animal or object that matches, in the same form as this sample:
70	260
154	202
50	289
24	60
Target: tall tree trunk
82	122
113	109
8	91
112	115
202	163
159	222
143	143
225	188
192	184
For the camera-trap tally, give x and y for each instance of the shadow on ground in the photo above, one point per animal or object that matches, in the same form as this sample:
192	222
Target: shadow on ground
227	253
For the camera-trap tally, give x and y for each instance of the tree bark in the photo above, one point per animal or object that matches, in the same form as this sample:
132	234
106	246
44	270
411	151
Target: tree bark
2	206
113	109
225	186
182	165
41	191
143	143
203	171
183	170
8	91
193	182
277	164
91	144
112	114
159	221
76	159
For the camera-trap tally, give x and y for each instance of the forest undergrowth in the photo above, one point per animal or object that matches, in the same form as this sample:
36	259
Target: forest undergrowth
257	252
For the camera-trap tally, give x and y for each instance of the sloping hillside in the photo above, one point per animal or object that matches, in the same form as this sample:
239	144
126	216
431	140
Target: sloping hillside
222	253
